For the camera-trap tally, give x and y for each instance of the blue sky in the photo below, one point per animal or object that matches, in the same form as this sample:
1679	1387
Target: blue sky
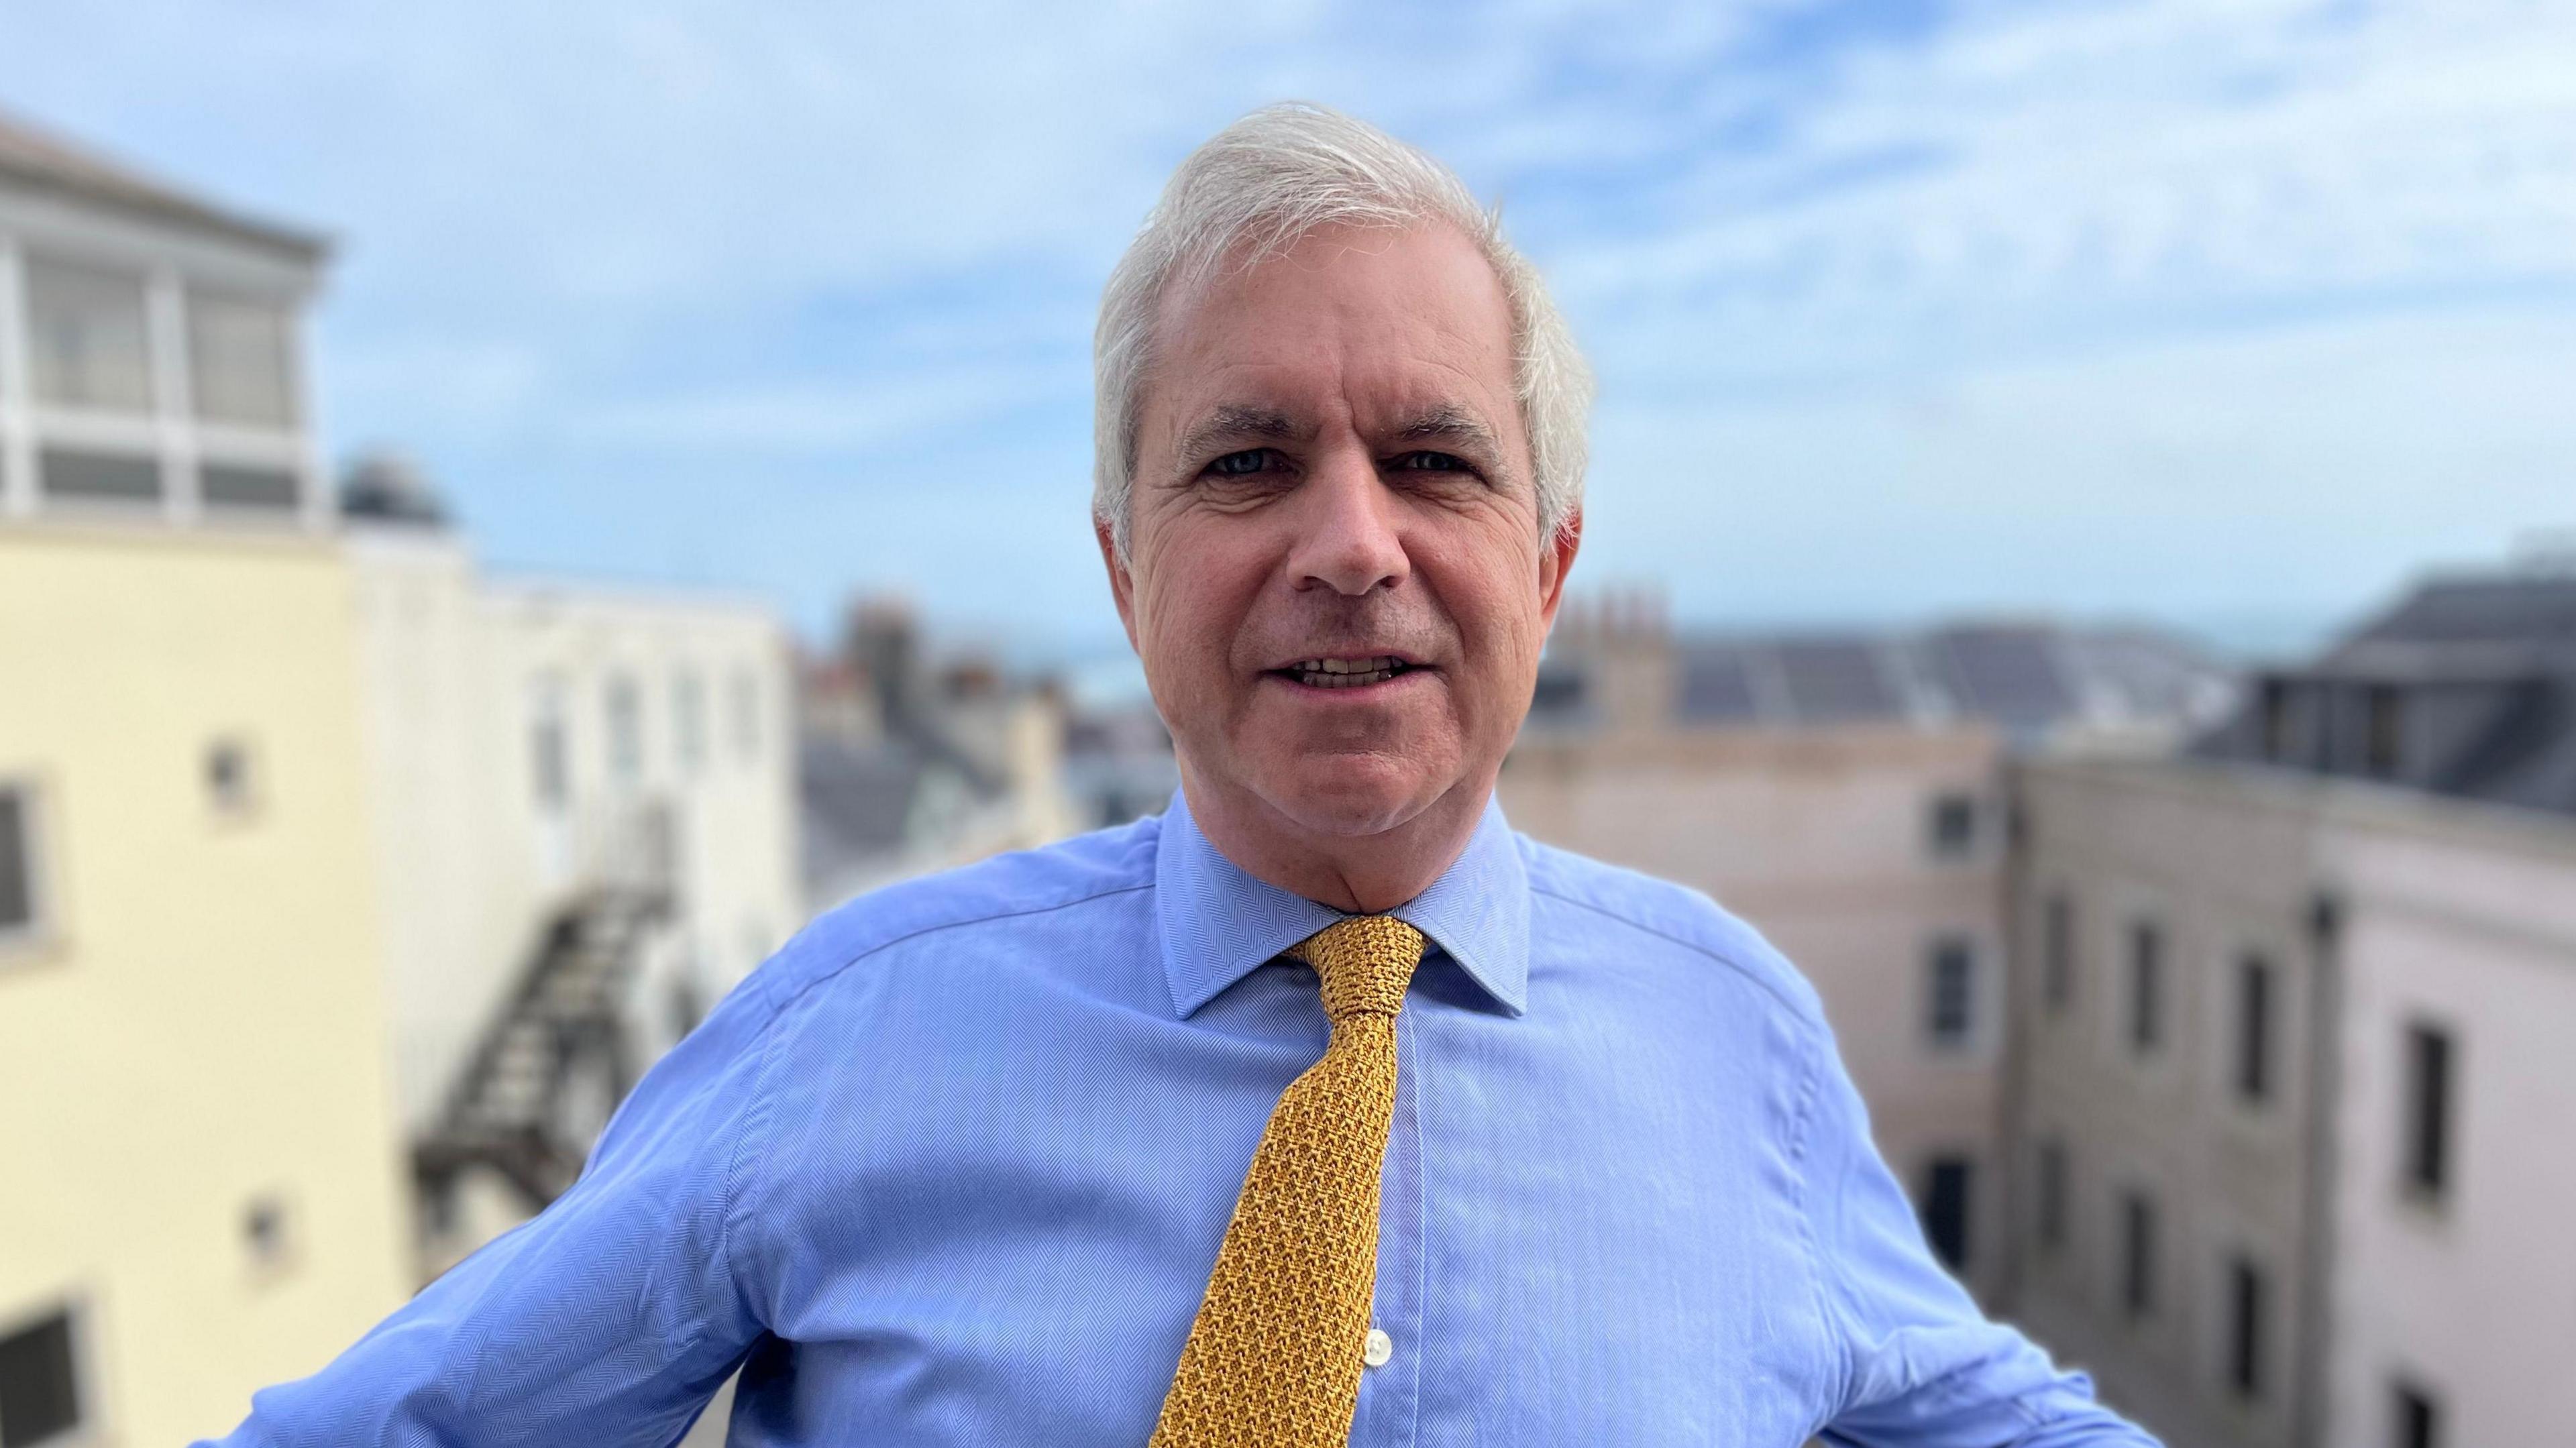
2230	312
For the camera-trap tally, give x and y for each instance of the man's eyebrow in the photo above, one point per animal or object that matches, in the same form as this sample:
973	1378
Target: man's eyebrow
1234	422
1450	423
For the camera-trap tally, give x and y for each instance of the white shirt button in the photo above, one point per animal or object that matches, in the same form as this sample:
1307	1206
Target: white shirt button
1377	1349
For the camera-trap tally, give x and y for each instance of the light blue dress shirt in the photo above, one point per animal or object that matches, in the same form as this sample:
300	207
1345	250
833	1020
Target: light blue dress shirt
952	1169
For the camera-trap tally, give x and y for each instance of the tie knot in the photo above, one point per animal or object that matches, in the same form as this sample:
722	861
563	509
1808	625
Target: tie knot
1366	962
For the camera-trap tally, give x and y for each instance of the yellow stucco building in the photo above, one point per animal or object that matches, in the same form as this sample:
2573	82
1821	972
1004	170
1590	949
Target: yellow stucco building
203	1180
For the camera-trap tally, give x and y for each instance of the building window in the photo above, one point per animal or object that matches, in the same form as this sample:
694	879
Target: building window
91	346
1947	1188
2254	1029
2276	720
232	485
2050	1227
2245	1348
746	714
549	744
2415	1420
623	705
2137	1254
2057	952
19	917
1954	826
96	476
1950	992
689	720
2427	1146
2383	740
240	360
40	1399
232	777
2146	986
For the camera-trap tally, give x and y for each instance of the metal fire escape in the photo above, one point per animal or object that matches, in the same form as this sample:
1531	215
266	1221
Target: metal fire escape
561	1037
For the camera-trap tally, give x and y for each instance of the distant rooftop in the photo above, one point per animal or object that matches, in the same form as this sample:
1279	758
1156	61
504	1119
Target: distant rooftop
36	160
2464	687
2026	679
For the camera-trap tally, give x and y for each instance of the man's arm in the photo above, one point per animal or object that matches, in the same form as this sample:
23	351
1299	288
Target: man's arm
609	1319
1925	1369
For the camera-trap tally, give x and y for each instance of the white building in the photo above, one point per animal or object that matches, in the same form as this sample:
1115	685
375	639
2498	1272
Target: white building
2290	1097
584	797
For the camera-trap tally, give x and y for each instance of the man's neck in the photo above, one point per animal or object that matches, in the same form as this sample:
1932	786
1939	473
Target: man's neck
1362	874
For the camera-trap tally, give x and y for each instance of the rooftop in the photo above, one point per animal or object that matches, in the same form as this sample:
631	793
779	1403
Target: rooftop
36	160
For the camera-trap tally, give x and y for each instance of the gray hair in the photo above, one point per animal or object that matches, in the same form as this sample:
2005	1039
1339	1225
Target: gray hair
1254	190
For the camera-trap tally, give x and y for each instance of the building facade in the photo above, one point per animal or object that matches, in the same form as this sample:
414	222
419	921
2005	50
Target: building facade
1844	794
205	1190
584	808
2288	1080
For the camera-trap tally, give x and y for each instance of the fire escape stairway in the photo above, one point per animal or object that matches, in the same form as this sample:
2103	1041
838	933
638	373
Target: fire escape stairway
509	1110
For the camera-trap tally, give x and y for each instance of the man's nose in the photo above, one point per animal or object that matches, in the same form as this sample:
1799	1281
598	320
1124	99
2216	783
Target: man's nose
1346	524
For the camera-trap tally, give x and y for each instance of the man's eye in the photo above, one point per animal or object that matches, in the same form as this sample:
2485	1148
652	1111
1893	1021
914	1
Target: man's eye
1241	464
1430	462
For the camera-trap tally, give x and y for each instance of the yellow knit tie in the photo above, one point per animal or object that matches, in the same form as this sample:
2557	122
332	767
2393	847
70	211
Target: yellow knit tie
1273	1360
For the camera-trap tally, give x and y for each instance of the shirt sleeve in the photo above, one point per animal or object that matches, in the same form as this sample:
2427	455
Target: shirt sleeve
1924	1368
609	1319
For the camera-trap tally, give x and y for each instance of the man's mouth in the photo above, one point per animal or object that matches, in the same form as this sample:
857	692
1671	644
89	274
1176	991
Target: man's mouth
1357	673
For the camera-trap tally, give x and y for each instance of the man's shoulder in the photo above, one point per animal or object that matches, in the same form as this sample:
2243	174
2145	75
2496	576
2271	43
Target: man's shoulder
1017	885
1685	920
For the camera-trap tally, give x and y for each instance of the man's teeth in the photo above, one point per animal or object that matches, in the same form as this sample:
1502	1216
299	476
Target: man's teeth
1347	673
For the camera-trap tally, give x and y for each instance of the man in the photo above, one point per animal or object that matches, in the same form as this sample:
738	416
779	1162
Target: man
1322	1109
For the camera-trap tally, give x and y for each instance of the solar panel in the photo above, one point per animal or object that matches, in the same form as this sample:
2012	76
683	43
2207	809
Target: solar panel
1831	679
1715	686
2008	675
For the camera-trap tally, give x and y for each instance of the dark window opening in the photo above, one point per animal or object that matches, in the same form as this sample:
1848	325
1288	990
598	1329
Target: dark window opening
2254	1028
1946	1192
2245	1300
2146	986
1951	992
39	1383
2383	742
2428	1110
2415	1419
2057	951
2137	1254
1954	826
2051	1226
228	485
17	864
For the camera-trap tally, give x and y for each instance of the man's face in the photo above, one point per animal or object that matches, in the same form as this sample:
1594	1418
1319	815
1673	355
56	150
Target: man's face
1332	477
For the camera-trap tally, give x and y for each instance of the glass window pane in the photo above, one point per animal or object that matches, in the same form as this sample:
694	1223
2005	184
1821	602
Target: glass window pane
88	343
17	868
233	486
68	473
239	360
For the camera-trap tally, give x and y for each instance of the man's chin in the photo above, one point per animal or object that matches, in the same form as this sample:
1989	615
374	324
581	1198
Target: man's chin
1352	796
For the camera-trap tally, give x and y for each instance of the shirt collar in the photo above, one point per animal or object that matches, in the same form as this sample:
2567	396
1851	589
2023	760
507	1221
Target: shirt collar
1218	923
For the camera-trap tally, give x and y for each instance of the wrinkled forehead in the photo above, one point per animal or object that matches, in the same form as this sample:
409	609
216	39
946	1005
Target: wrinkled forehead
1377	327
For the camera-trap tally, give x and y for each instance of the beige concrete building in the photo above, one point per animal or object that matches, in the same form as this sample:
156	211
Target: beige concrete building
204	1178
1843	793
585	836
2290	1088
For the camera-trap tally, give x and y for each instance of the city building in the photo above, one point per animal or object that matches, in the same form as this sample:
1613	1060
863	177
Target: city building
2290	1068
1844	794
584	801
910	764
205	1184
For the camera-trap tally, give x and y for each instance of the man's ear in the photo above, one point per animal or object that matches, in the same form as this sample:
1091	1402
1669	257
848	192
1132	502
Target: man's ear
1122	582
1555	560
